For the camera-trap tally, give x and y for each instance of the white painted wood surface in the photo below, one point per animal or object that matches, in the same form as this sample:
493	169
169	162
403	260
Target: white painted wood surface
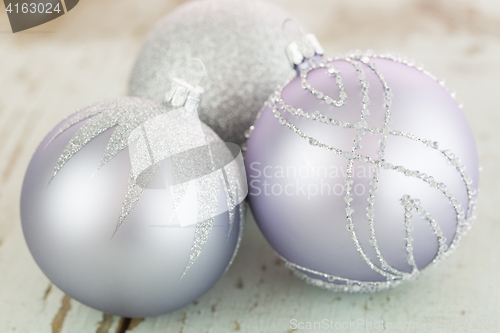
85	56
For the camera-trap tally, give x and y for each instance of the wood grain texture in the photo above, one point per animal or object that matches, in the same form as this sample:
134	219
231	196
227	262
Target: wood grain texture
86	56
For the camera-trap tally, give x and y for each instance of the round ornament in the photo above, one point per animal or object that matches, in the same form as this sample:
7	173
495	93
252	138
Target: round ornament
134	207
241	44
362	171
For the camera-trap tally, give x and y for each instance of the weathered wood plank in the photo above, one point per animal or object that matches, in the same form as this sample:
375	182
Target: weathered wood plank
30	303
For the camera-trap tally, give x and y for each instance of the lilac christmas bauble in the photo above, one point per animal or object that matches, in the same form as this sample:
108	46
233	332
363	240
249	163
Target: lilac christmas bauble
362	172
123	209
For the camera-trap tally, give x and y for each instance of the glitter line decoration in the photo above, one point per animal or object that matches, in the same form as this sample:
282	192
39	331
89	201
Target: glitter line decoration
465	216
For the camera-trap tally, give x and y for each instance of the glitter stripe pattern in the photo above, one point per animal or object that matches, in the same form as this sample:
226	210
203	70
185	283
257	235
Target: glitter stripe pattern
465	217
154	132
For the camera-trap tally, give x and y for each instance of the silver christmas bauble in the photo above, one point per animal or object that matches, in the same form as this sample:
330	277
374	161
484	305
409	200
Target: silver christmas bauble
241	43
362	172
123	209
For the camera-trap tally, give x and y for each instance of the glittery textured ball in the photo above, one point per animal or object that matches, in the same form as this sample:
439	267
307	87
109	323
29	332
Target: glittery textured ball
242	46
362	172
106	204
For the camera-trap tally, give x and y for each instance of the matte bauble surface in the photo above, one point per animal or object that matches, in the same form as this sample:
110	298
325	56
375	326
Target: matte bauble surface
362	172
154	263
242	45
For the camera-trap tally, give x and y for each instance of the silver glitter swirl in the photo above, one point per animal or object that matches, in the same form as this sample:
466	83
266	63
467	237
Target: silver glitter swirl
465	218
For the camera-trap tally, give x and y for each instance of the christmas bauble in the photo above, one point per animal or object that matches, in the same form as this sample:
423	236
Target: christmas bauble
242	45
362	171
133	207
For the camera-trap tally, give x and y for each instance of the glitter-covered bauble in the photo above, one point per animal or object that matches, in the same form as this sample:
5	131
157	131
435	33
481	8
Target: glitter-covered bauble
362	172
133	207
242	46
